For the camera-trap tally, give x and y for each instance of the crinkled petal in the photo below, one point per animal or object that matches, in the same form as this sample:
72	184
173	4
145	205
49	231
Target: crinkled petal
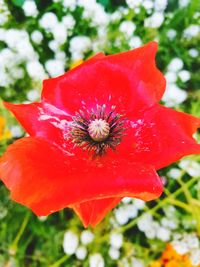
160	136
42	177
128	80
92	212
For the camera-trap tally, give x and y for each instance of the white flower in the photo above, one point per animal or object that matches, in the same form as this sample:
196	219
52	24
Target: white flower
137	263
70	242
169	223
16	131
148	5
155	21
174	95
127	27
192	31
35	70
131	211
87	237
68	21
37	37
195	257
81	253
145	222
116	240
60	55
160	5
171	34
192	241
139	204
78	46
42	218
184	75
54	45
183	3
33	95
48	21
55	67
121	216
60	33
175	64
163	234
30	8
180	246
133	3
126	200
70	4
135	42
193	52
114	253
191	167
96	260
171	77
174	173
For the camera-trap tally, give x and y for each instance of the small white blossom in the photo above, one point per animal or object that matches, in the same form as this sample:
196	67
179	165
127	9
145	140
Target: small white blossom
148	5
70	4
70	242
135	42
195	257
183	3
54	45
35	70
171	34
55	67
78	46
127	27
114	253
48	21
193	52
116	240
174	173
30	8
154	21
175	64
68	21
33	95
174	95
145	222
180	247
37	37
139	204
191	32
96	260
87	237
121	216
171	77
160	5
169	223
16	131
133	3
163	234
191	167
184	75
137	263
60	33
81	253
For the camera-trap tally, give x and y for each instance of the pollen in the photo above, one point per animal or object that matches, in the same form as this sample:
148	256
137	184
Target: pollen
99	130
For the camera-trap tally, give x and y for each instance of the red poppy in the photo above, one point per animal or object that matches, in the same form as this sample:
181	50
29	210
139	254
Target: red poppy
98	135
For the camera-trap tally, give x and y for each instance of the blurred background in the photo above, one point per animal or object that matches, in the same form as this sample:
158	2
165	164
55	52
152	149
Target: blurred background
40	39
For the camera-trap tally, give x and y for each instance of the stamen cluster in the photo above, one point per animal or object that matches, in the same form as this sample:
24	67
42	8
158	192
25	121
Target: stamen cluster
97	130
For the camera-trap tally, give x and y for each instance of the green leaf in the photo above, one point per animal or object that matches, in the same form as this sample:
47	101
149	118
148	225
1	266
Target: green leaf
18	3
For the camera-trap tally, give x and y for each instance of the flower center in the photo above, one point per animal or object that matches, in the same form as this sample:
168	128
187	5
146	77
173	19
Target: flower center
97	130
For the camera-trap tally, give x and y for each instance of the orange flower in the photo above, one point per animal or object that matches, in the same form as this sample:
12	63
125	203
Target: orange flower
4	133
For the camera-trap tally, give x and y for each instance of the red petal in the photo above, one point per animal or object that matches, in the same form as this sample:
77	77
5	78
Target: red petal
42	121
43	178
92	212
128	80
160	136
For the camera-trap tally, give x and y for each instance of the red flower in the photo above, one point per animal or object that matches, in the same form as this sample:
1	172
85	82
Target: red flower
98	135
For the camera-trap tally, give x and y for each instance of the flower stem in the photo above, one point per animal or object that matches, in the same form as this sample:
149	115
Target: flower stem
60	261
13	247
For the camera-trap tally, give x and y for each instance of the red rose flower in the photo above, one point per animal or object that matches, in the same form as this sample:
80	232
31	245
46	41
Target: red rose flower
98	135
